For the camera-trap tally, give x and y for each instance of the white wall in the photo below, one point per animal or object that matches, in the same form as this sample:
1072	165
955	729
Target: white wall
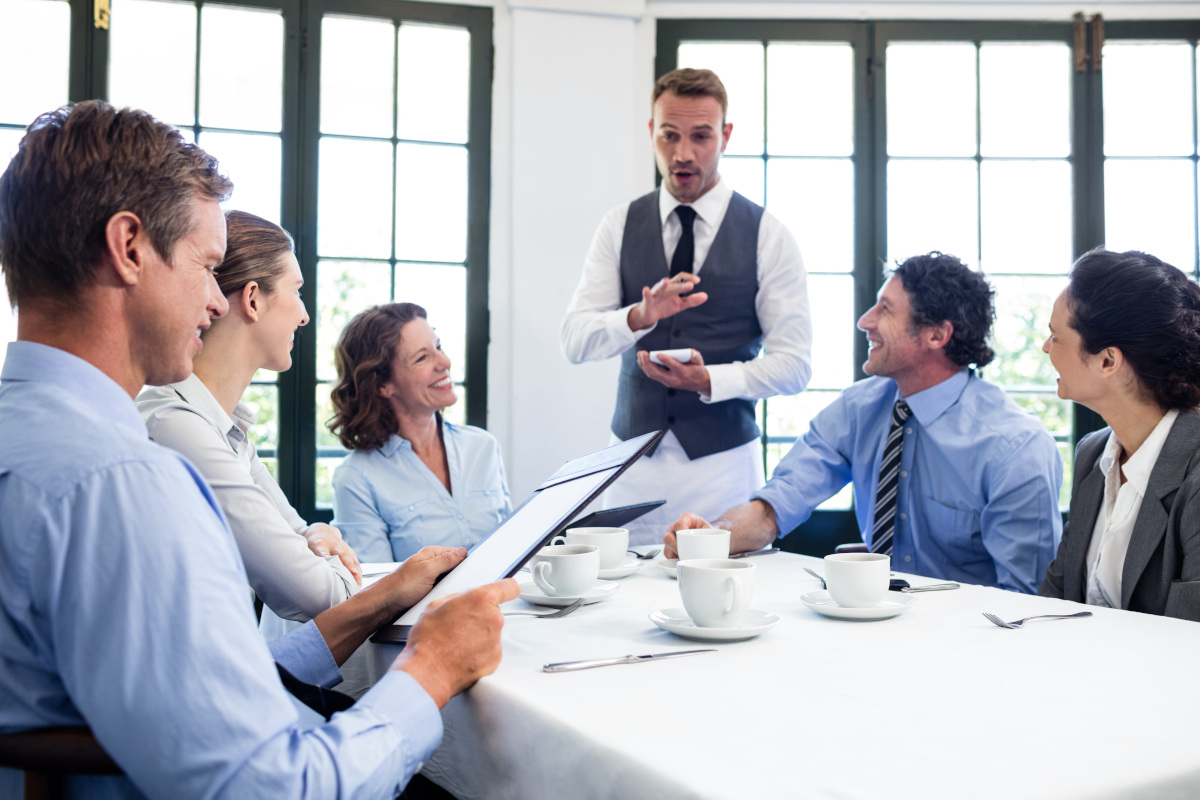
570	106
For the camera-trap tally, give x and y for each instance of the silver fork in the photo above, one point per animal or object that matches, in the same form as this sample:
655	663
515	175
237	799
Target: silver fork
1019	622
816	575
562	612
647	555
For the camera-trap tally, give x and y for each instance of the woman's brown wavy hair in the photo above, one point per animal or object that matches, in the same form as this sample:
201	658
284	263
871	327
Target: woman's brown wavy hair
362	420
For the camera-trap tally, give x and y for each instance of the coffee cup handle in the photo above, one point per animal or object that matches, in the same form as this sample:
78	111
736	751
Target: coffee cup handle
737	595
558	540
539	570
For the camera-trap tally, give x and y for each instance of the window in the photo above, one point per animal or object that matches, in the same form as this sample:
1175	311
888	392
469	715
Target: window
383	180
1001	143
31	32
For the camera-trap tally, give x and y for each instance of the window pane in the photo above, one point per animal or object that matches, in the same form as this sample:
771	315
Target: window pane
263	400
33	32
1151	206
431	203
1148	99
1026	216
457	413
1067	452
931	99
814	198
253	163
8	322
355	199
1022	316
434	107
1025	102
325	468
241	68
325	438
831	298
932	205
806	83
739	65
345	288
9	139
357	66
152	58
745	176
442	292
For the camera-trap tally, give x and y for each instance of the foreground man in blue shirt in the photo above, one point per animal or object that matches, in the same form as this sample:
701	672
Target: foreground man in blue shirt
123	602
970	483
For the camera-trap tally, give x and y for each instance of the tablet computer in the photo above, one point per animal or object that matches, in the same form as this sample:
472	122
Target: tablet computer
615	517
546	513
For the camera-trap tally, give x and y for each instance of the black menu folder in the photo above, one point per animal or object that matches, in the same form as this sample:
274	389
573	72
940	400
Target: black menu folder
545	514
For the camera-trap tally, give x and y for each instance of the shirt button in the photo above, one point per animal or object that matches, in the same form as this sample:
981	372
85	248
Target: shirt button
460	516
908	430
410	508
903	474
904	516
907	559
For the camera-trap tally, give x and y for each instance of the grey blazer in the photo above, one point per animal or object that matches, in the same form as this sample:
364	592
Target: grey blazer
1162	568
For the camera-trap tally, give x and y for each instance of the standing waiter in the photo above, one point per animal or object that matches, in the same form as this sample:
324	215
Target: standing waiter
692	265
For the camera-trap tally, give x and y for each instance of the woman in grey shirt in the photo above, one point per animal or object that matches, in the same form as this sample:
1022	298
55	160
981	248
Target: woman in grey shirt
297	569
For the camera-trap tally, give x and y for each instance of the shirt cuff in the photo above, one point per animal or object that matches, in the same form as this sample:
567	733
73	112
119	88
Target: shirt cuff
304	653
618	328
400	700
775	495
726	381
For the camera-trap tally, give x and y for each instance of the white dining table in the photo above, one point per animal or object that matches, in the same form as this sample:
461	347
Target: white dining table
934	703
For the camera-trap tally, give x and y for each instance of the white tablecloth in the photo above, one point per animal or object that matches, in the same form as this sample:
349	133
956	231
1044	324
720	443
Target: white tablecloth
937	702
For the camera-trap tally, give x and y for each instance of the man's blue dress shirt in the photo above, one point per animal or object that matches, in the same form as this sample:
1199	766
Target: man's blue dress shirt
388	504
979	479
123	606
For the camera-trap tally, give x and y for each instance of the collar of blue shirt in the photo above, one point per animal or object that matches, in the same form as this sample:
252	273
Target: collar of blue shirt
931	403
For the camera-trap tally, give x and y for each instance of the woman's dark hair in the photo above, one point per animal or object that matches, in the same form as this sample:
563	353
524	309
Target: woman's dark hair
941	288
254	251
1147	309
362	420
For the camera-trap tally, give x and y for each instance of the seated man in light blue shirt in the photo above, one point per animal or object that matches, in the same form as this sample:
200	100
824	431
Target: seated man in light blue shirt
950	477
123	601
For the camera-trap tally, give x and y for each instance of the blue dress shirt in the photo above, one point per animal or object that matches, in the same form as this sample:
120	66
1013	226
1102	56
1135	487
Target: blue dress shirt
388	504
979	479
123	606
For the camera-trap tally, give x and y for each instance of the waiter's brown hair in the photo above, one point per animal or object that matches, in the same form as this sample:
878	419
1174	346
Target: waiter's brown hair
689	82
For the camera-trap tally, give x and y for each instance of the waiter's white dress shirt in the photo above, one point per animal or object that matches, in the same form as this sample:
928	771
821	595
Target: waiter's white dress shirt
596	328
1119	512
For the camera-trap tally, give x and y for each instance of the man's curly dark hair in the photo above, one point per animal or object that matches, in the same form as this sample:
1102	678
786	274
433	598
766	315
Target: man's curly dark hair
941	288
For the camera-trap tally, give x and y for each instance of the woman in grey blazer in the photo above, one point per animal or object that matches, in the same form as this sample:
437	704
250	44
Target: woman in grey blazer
1125	341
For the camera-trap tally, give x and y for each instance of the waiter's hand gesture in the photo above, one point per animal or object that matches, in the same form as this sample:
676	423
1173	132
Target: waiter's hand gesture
665	299
692	376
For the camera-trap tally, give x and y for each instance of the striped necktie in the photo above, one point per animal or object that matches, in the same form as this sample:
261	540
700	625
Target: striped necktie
889	480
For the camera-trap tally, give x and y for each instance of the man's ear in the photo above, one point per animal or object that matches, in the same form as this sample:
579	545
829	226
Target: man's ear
938	336
127	245
251	301
725	132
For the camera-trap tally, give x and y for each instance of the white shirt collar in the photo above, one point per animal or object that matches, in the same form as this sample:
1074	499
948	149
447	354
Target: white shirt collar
1139	466
708	207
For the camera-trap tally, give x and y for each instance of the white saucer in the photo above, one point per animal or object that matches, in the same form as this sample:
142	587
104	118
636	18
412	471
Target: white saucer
896	603
530	593
630	565
679	623
668	566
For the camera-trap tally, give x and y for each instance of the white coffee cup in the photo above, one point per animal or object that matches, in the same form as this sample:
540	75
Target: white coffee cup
857	580
702	543
612	543
567	570
716	591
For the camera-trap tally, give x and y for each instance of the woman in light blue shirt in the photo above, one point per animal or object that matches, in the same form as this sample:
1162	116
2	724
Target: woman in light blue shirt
412	479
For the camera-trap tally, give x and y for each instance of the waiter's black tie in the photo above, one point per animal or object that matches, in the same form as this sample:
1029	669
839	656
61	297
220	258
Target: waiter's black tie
685	251
889	480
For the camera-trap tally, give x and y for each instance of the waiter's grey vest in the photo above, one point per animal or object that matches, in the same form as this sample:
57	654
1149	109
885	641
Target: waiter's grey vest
724	329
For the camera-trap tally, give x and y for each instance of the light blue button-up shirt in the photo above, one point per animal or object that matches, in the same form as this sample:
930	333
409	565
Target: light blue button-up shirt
123	606
977	499
388	504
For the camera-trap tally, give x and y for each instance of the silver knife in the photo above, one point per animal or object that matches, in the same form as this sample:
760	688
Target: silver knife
933	587
766	551
567	666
